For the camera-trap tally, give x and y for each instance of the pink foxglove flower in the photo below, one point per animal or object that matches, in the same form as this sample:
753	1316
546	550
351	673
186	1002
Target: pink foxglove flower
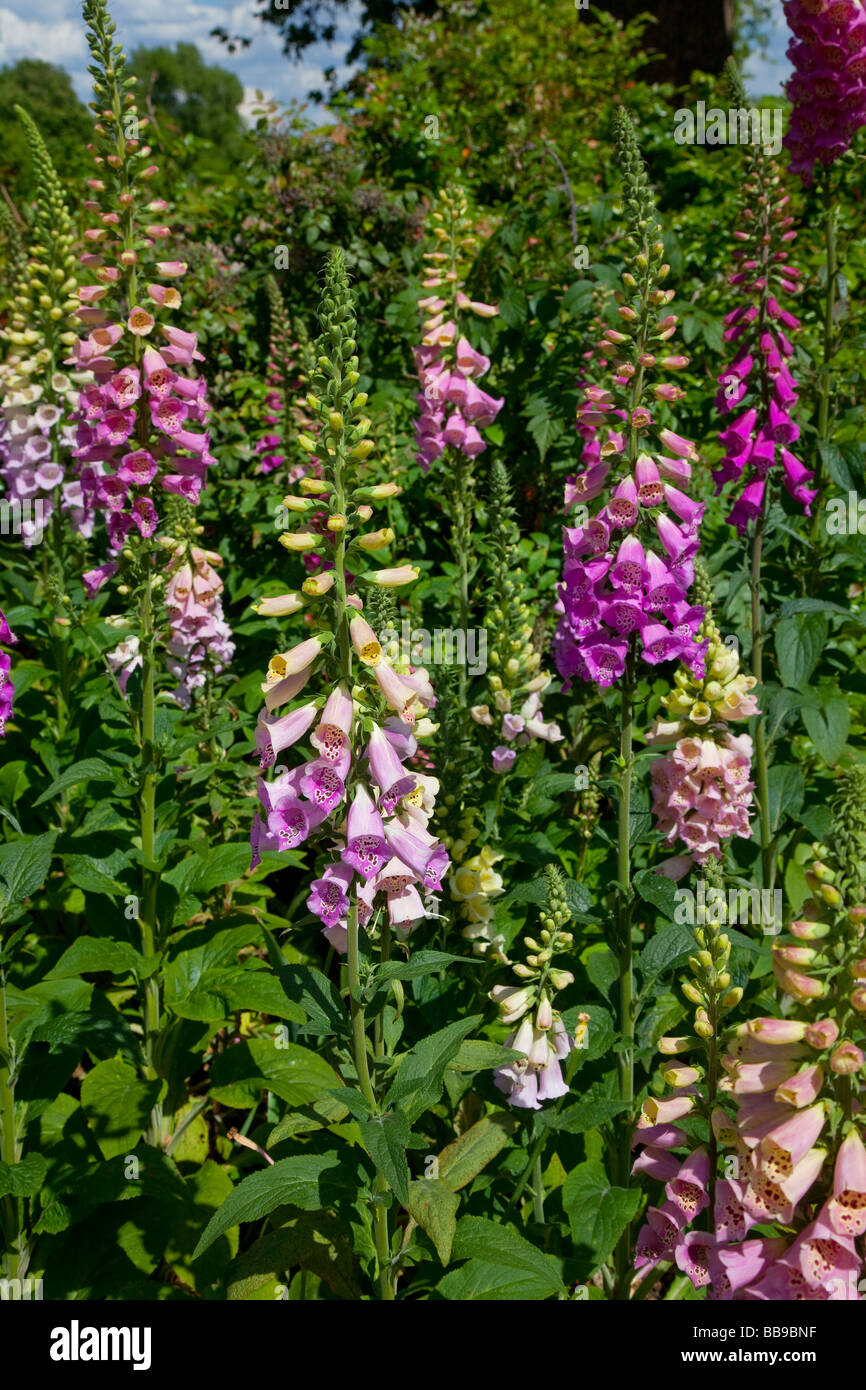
828	88
7	690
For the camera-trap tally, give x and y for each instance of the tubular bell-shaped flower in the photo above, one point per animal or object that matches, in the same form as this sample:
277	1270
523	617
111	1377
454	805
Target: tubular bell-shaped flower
757	389
541	1038
142	422
828	88
355	789
702	792
35	396
629	567
7	690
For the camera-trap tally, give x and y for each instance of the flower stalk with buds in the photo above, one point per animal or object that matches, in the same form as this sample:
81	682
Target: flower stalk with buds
356	793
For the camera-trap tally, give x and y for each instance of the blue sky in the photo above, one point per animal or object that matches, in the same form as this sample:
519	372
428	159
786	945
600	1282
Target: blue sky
52	30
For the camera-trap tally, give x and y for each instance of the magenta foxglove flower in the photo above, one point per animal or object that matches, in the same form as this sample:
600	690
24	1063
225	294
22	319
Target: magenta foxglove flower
758	384
199	641
7	690
828	88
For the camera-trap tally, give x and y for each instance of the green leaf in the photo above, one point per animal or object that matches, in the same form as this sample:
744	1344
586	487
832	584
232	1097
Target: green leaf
785	792
419	964
220	993
295	1074
89	875
90	954
502	1266
385	1138
597	1212
464	1159
23	1179
656	889
601	967
477	1054
800	641
199	873
315	1243
587	1114
317	997
784	703
24	866
420	1076
433	1205
308	1181
118	1103
818	605
88	770
828	726
664	950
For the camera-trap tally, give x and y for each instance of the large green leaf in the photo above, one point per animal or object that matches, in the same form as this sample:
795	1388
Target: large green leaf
464	1159
433	1205
24	866
308	1181
95	954
385	1138
23	1179
502	1265
418	1082
222	992
315	1242
828	726
800	640
117	1103
296	1074
597	1212
88	770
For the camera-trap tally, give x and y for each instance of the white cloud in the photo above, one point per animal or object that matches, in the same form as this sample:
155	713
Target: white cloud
57	36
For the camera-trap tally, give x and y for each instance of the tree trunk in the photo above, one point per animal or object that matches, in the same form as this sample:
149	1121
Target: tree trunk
688	33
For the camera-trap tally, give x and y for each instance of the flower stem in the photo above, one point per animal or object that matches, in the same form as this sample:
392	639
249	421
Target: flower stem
150	877
8	1144
461	500
625	1058
538	1190
828	348
362	1067
761	771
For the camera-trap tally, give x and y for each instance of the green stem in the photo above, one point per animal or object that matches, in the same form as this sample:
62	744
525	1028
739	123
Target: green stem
150	877
828	352
761	770
625	1057
8	1138
538	1190
362	1067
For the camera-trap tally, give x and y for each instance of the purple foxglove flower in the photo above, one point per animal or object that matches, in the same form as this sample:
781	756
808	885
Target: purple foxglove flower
292	820
629	572
329	896
275	734
405	909
623	506
748	505
846	1210
411	844
366	847
322	784
691	1253
503	759
688	1190
387	771
650	490
331	736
